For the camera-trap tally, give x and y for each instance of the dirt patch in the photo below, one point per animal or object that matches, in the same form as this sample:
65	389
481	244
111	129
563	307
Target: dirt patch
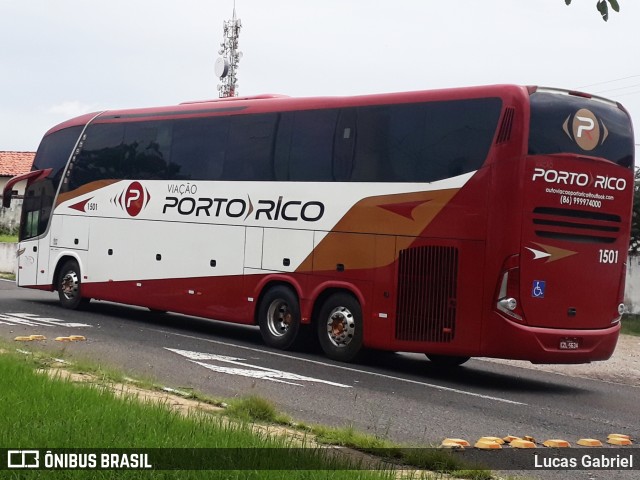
623	367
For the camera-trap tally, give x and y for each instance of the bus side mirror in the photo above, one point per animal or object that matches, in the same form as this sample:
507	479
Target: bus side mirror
30	177
6	197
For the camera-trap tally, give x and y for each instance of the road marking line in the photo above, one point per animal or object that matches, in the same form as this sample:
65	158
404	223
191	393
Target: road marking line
375	374
253	371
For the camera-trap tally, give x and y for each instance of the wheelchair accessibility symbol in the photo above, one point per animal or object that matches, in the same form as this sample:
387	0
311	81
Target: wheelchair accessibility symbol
537	291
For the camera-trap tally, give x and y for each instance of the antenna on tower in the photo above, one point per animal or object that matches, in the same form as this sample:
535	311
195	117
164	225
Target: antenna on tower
226	66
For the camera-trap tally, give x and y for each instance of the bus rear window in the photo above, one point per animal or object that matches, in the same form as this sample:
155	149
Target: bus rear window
562	123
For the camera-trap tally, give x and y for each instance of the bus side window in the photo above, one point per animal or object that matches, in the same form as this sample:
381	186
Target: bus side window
282	149
198	148
101	156
250	148
311	153
371	159
344	145
146	150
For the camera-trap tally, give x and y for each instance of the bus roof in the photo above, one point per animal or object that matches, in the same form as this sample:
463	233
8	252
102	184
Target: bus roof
274	103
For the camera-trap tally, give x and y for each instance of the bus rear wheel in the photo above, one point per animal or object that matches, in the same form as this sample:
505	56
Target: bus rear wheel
339	326
69	286
446	361
279	317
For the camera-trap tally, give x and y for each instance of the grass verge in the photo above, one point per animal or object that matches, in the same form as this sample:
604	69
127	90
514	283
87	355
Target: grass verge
631	324
5	238
7	276
56	413
39	411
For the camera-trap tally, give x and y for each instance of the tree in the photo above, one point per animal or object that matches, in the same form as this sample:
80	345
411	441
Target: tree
603	7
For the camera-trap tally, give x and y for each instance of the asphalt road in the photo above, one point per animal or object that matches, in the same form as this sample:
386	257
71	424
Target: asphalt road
398	396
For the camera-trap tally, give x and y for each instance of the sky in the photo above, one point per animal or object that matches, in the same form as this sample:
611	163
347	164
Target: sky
63	58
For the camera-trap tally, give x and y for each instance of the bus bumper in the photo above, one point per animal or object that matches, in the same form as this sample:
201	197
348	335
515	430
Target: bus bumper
550	345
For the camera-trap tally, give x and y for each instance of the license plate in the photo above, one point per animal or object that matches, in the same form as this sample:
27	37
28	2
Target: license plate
569	344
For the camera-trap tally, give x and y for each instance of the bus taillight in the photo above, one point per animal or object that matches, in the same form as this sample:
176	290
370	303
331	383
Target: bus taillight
508	300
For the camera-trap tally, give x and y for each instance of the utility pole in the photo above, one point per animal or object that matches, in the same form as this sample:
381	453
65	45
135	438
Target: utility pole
226	67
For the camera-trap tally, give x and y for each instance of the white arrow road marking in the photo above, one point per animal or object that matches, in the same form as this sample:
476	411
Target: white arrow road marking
538	254
253	371
341	367
32	320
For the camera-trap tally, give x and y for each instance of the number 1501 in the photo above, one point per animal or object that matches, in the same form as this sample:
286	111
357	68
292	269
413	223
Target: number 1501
608	256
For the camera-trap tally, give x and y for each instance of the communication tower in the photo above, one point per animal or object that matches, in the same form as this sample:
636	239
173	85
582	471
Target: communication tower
226	66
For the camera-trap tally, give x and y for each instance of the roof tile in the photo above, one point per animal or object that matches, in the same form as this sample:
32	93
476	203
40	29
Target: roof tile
15	163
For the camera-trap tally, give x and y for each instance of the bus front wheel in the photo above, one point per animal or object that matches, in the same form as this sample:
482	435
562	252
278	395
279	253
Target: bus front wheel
69	286
340	327
279	317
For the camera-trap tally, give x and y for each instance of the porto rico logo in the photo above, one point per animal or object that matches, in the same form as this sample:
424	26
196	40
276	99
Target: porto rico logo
133	199
585	129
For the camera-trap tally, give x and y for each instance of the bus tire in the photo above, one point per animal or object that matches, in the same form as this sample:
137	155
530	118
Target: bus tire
339	326
446	361
69	286
279	317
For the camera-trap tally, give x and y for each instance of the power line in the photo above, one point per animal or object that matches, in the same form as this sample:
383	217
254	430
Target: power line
619	88
609	81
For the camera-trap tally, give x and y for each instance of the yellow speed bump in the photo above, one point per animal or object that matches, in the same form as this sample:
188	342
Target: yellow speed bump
72	338
529	438
619	440
556	444
498	440
454	442
522	443
37	337
618	435
510	438
589	442
485	444
23	339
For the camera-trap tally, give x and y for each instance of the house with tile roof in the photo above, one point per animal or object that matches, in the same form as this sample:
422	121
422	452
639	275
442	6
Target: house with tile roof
12	164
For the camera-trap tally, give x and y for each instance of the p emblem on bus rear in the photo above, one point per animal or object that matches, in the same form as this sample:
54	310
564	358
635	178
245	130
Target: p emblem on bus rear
586	130
133	199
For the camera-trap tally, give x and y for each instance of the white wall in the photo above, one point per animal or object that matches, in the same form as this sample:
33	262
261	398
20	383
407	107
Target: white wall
632	290
8	259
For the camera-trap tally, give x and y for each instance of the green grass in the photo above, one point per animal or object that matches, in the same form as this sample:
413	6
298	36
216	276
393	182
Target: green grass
39	412
631	324
44	417
4	238
7	276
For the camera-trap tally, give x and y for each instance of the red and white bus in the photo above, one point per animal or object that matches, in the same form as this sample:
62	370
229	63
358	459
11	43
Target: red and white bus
487	221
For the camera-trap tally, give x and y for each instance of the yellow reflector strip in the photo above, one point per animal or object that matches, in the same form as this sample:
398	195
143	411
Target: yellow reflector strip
523	444
589	442
619	441
37	337
456	441
487	444
23	339
77	338
618	435
498	440
63	339
510	438
556	444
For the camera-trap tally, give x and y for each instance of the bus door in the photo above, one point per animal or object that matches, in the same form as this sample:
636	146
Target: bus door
33	248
